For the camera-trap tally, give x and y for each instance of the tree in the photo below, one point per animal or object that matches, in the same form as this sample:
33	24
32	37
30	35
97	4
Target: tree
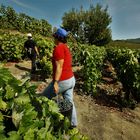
3	17
70	21
11	16
90	26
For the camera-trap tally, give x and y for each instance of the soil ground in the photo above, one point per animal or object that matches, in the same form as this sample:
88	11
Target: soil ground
95	120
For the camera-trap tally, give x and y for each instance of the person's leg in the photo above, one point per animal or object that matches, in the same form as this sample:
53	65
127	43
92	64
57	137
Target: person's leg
49	91
66	88
69	96
33	64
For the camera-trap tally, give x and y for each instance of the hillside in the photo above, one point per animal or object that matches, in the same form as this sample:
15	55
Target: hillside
11	20
129	43
134	40
137	40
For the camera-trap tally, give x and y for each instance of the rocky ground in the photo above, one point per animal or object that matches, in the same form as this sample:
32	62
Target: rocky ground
96	120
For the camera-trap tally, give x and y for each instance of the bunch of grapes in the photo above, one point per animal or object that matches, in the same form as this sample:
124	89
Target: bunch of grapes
64	105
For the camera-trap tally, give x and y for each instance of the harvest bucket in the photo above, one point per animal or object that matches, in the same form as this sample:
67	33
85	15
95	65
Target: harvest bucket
38	64
65	107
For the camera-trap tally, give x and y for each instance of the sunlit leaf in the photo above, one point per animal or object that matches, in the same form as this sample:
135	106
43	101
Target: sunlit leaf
3	105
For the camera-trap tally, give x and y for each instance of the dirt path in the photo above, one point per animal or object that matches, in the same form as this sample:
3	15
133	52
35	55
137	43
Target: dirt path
96	121
104	123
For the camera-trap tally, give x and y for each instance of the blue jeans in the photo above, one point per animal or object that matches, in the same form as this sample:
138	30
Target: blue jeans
66	88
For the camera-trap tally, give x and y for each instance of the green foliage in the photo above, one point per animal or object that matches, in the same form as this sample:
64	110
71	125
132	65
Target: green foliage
92	60
76	50
12	49
11	46
45	46
30	116
72	21
126	63
9	19
91	26
97	26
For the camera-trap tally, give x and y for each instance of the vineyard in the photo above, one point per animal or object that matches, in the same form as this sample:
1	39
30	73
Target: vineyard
33	117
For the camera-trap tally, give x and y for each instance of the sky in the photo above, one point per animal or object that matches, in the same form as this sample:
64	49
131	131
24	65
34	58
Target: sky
125	13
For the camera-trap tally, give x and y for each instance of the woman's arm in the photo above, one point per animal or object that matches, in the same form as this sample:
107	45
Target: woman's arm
59	67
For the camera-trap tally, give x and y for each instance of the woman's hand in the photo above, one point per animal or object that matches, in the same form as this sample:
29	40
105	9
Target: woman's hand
56	87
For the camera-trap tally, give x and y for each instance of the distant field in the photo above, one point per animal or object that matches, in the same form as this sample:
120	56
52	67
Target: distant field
126	44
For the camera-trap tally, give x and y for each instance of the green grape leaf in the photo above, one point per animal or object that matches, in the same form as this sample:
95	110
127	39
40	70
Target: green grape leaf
41	134
23	99
73	131
53	106
44	134
10	93
29	135
3	105
14	83
47	123
13	135
2	127
1	117
16	117
38	123
3	137
28	119
1	91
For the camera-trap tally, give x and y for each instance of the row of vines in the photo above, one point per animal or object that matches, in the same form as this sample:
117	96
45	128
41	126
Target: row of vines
127	66
26	116
91	58
12	49
23	114
125	61
45	118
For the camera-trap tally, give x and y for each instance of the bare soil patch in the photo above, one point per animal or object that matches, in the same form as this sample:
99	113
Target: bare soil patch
95	120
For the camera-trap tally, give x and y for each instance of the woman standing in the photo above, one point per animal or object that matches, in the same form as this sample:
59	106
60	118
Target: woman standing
63	77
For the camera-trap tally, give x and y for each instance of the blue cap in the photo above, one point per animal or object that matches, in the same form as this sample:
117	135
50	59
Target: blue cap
61	32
